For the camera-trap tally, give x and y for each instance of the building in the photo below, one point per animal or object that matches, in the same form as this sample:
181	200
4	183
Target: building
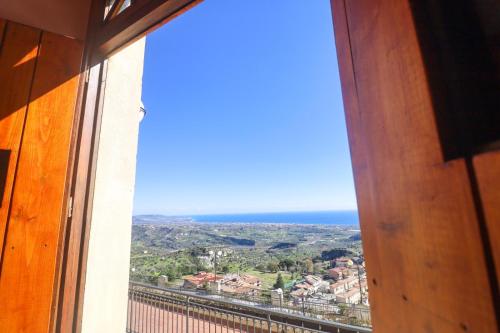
352	296
339	273
309	286
240	285
350	282
200	280
342	262
299	293
344	285
314	281
337	287
363	287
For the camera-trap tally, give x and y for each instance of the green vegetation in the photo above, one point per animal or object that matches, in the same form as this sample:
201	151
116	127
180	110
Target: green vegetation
179	248
147	267
335	253
268	279
279	282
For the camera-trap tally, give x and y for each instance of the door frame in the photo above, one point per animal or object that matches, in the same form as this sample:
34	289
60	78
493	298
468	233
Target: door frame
107	35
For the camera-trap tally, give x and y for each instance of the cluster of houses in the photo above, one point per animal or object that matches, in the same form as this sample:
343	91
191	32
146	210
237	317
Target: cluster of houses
345	283
200	280
311	285
237	284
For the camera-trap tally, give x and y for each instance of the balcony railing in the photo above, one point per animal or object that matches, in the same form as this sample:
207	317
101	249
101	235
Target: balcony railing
354	314
152	309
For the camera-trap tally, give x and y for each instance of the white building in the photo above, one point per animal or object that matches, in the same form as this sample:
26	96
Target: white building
352	296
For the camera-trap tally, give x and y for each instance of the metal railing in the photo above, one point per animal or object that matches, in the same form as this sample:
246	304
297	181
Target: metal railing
156	310
329	310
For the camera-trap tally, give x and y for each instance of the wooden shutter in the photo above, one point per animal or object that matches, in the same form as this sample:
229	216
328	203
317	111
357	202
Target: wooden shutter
39	76
427	253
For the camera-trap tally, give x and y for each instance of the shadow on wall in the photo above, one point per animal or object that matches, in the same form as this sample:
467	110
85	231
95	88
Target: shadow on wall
4	164
21	81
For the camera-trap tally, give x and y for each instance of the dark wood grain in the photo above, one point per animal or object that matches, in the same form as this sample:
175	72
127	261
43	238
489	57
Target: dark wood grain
17	64
487	170
4	170
461	73
419	222
138	19
32	250
3	24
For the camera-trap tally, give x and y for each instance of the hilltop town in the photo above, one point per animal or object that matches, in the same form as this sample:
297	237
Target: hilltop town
303	267
344	283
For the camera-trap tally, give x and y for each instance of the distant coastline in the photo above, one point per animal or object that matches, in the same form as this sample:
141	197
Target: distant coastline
321	217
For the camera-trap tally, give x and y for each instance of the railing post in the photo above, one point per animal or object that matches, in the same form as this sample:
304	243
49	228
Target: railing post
187	315
269	323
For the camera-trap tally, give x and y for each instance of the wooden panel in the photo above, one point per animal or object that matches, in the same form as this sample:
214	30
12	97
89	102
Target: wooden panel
487	170
421	235
30	262
3	24
17	64
460	73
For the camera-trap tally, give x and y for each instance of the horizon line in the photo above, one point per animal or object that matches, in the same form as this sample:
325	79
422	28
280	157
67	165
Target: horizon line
245	213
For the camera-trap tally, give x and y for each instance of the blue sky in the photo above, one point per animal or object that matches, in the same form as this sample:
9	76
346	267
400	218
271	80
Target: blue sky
245	112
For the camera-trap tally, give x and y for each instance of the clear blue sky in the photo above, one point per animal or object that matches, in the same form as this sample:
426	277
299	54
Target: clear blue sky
244	112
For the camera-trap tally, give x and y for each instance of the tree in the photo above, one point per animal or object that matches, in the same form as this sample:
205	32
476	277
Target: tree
171	272
335	253
261	267
309	265
279	282
285	264
318	268
272	267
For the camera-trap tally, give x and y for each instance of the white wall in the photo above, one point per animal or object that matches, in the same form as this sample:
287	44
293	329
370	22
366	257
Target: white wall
106	286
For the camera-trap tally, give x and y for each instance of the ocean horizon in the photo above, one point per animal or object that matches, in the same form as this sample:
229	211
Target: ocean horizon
348	217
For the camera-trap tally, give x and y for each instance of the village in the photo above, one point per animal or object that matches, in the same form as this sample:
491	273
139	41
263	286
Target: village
312	270
344	282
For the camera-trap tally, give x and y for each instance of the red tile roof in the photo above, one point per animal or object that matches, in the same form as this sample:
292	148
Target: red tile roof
202	277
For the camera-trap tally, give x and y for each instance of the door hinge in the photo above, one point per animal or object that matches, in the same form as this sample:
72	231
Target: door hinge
70	207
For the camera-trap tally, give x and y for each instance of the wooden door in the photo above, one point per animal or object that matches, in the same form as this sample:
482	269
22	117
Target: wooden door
39	75
427	248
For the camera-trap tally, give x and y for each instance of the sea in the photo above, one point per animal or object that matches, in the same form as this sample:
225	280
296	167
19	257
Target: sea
323	217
